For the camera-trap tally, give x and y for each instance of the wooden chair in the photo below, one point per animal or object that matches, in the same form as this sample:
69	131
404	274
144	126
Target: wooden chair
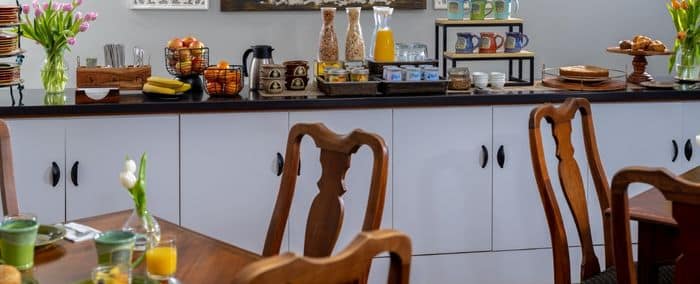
685	197
7	175
349	266
325	217
571	183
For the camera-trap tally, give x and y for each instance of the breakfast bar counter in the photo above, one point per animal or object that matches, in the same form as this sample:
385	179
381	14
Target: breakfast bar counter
34	103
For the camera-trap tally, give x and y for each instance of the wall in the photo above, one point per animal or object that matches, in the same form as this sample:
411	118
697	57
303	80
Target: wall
562	32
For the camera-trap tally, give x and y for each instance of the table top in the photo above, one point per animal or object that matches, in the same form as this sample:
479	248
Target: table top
651	206
200	259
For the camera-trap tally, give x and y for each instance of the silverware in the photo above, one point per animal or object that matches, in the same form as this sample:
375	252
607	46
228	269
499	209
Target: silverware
114	55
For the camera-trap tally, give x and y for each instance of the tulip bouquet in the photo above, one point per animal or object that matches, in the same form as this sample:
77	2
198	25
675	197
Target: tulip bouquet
141	221
54	26
686	56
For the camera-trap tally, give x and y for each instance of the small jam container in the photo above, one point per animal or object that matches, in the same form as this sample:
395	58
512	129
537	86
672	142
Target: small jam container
459	79
272	85
272	71
359	75
431	73
296	83
393	73
337	76
412	74
322	65
349	65
296	68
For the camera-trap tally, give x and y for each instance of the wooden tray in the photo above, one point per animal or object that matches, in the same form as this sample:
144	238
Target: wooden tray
369	88
611	85
637	52
127	78
376	67
413	87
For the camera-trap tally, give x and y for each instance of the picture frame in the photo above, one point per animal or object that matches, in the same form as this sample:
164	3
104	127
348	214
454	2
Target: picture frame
439	4
169	4
309	5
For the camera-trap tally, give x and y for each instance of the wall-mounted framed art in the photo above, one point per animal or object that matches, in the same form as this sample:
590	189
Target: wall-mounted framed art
263	5
169	4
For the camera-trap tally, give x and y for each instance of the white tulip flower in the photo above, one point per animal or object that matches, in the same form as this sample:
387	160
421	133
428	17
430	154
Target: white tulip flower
128	179
130	166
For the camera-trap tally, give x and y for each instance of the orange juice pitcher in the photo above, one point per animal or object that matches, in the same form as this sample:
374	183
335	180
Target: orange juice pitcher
383	50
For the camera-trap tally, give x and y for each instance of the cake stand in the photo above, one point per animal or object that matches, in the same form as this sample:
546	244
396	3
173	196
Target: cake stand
639	63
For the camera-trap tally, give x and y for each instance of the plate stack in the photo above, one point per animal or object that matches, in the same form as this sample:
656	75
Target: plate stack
9	73
8	43
9	15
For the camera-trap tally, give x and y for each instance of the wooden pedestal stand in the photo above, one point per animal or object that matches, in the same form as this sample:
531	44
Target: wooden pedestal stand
639	63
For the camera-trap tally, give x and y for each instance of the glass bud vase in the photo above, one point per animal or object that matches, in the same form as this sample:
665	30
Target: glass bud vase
688	63
54	72
145	227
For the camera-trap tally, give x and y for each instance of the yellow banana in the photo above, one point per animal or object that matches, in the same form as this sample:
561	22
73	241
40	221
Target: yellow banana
185	87
165	82
149	88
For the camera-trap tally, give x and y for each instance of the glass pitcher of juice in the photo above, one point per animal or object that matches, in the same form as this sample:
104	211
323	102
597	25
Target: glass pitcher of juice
384	36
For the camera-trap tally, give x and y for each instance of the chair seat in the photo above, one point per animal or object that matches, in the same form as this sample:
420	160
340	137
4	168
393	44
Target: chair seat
609	276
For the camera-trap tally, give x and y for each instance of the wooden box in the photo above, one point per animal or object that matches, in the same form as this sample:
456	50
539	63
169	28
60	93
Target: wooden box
126	78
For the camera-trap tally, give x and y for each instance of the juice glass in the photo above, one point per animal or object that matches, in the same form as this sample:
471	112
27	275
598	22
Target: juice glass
113	274
161	259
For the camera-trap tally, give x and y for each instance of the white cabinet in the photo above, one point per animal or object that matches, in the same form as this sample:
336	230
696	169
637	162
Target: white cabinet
357	180
691	128
100	145
229	186
519	221
36	145
442	194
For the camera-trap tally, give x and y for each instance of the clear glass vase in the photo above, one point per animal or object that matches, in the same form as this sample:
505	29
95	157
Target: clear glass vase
54	72
146	228
688	63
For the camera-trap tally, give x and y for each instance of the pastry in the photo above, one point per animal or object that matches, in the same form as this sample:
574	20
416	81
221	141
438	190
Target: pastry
583	71
657	46
641	44
638	38
625	44
9	275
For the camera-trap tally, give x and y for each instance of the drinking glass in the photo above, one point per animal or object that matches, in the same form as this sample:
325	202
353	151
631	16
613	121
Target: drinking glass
419	52
402	51
117	274
18	235
161	259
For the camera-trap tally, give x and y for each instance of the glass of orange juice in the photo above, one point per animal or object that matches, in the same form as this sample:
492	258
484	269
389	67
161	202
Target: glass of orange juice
161	259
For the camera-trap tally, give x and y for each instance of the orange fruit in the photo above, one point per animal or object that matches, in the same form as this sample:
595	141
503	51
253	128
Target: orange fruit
223	64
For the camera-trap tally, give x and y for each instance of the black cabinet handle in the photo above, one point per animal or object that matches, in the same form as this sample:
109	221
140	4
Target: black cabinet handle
688	150
55	174
484	152
280	164
501	156
74	173
675	151
299	168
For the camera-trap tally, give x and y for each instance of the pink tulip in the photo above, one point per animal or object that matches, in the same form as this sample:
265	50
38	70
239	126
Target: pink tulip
91	16
71	40
67	7
78	2
25	9
78	16
38	13
84	27
45	6
57	6
35	4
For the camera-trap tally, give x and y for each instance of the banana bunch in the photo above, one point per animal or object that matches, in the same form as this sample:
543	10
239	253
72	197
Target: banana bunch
160	85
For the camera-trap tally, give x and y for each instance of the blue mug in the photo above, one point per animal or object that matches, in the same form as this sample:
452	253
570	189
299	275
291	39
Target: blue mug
465	42
502	8
455	9
515	42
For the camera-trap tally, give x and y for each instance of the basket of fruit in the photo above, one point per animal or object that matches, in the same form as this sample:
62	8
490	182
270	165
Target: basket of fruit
186	57
223	79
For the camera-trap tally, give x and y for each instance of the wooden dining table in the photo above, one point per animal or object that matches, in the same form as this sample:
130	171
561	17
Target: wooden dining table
200	259
658	233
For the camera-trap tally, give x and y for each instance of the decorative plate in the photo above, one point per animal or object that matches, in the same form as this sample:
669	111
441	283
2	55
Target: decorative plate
49	234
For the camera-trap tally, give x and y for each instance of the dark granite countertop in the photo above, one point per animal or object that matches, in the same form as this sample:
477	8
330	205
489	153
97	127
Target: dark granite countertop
34	103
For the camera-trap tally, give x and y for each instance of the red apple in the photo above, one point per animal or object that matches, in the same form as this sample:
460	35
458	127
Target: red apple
175	44
196	47
188	40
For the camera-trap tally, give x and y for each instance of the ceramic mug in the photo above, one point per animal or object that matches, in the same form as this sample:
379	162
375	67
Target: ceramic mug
465	42
17	238
115	247
489	42
455	9
502	8
478	9
515	42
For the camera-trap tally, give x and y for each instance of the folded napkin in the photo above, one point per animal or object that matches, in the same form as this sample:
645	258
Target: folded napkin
77	232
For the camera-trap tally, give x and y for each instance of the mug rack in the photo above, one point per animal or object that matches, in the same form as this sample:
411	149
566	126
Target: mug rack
442	25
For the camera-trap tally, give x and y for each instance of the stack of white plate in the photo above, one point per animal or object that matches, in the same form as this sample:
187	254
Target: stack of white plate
497	80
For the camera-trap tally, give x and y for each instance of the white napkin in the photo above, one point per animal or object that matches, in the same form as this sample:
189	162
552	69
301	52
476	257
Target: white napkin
77	232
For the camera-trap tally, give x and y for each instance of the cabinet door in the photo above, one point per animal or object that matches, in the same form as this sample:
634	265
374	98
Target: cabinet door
229	185
442	196
636	134
100	145
357	180
519	221
691	128
36	145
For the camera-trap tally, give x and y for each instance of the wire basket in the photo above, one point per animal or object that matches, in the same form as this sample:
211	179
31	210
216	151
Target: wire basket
185	62
223	81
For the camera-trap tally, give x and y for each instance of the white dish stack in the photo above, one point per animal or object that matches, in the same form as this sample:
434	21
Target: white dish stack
480	79
497	80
